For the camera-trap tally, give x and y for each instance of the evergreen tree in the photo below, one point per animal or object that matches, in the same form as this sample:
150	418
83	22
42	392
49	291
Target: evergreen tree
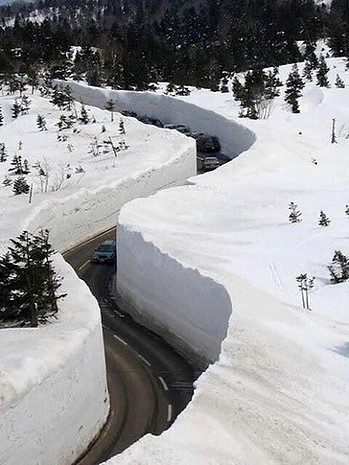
224	83
7	181
110	106
62	98
295	214
16	109
25	105
339	268
1	117
170	88
122	130
307	71
323	220
20	186
25	168
16	165
3	154
41	123
182	90
84	119
339	82
310	55
321	75
294	85
28	280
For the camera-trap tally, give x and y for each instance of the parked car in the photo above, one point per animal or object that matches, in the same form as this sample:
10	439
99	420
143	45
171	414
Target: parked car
210	163
105	252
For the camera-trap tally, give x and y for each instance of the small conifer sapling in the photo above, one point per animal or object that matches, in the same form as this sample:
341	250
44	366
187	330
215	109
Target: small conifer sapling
295	214
323	220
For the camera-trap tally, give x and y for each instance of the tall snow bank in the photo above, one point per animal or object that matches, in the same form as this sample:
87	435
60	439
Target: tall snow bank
233	138
279	392
174	300
53	397
53	405
74	217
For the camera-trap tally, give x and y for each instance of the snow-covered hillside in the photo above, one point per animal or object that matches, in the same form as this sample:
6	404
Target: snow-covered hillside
279	392
53	397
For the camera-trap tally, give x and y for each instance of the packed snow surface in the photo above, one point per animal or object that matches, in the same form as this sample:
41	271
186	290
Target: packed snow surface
279	392
53	397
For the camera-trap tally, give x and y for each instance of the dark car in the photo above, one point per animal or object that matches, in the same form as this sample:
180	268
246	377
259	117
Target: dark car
105	252
207	144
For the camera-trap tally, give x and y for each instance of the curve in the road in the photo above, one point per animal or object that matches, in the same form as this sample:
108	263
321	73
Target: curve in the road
149	383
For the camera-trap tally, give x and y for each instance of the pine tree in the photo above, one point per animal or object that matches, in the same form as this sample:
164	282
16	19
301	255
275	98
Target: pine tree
16	109
323	220
295	215
9	308
3	154
25	168
110	106
272	84
20	186
307	71
339	82
28	280
41	123
1	117
321	75
224	83
16	165
84	119
25	105
7	181
170	88
294	85
310	55
339	268
122	130
182	90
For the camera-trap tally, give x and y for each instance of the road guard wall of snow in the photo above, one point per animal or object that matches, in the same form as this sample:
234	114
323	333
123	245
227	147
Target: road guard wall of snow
52	405
90	211
174	300
53	397
234	137
170	298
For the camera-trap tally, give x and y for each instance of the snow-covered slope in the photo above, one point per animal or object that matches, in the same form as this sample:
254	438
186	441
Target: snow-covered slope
279	392
53	398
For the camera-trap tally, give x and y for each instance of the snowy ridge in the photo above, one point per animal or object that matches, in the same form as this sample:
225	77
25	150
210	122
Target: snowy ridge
279	391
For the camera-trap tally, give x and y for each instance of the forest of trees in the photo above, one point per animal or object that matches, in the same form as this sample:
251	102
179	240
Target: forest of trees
129	44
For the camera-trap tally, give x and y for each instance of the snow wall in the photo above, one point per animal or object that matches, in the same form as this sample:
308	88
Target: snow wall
90	211
175	301
234	137
53	405
162	298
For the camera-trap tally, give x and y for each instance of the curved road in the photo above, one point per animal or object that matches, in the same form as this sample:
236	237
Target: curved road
149	383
